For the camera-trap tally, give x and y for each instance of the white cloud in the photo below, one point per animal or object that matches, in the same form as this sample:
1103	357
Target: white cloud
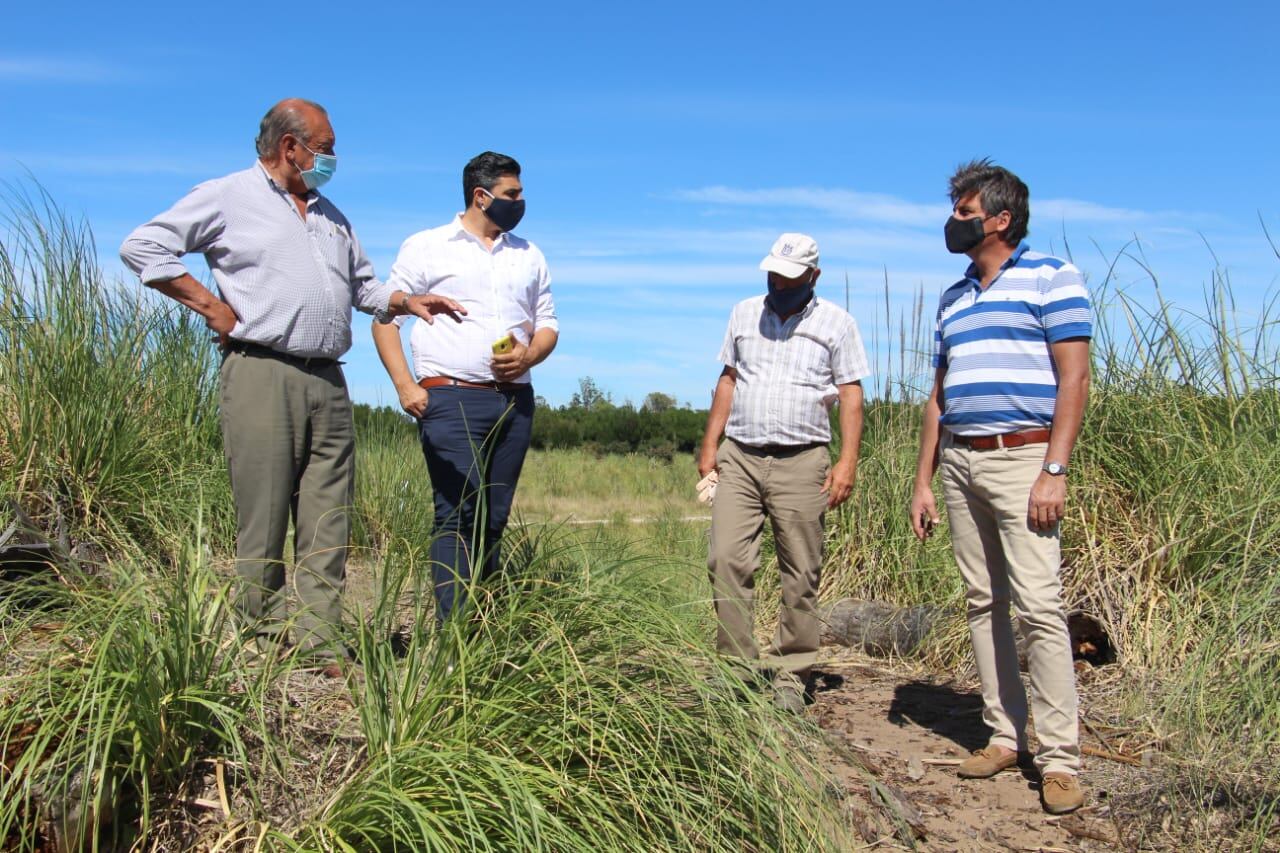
56	70
850	204
1073	210
892	210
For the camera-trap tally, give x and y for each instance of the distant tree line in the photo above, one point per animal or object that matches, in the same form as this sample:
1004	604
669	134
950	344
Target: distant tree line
659	426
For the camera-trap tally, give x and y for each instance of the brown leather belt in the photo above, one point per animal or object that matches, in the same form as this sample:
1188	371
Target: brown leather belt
430	382
1008	439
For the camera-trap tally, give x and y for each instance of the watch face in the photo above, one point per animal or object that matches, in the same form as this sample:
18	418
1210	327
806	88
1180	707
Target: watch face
1055	468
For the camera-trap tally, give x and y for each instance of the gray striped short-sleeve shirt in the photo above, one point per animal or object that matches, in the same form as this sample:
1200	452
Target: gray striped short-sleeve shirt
788	370
291	281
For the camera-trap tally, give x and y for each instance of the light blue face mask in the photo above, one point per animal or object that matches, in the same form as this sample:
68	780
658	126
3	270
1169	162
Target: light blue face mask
322	169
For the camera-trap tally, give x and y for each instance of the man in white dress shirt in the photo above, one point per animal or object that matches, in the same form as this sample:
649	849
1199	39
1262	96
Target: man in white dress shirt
782	353
474	407
288	269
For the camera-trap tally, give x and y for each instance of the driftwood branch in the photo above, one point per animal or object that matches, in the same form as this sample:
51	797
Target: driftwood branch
1111	756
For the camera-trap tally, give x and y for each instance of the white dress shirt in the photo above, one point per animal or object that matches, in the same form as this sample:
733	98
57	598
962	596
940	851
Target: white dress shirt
786	368
291	280
504	290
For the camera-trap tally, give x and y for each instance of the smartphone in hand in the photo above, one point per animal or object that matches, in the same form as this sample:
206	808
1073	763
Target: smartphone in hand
504	344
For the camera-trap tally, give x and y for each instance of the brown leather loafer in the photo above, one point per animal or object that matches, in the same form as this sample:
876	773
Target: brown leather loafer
333	670
1060	793
986	762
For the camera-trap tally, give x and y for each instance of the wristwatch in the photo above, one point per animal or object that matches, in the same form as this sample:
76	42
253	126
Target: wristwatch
385	316
1054	468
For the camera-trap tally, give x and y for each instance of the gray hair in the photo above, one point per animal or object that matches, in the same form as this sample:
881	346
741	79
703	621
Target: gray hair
284	118
998	189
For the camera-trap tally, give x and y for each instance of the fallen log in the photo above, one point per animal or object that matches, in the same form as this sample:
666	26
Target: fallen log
25	559
877	627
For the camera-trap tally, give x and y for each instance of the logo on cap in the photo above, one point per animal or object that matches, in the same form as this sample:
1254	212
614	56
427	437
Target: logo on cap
786	249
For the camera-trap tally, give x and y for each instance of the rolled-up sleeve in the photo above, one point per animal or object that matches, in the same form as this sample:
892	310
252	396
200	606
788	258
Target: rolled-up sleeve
367	293
545	313
408	273
154	250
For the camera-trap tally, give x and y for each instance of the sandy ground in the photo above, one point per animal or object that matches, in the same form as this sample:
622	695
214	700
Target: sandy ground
907	732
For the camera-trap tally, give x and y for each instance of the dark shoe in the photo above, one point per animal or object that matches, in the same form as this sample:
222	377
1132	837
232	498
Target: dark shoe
986	762
1060	793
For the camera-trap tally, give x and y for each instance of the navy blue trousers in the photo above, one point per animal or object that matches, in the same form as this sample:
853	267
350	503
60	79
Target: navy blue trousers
475	442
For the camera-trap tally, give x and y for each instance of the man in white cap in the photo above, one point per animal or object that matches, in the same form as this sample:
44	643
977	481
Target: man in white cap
782	354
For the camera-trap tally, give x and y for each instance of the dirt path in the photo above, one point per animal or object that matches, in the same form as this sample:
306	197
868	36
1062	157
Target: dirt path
908	733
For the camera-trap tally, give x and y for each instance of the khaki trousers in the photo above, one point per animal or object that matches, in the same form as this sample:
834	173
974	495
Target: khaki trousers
1003	561
786	488
289	441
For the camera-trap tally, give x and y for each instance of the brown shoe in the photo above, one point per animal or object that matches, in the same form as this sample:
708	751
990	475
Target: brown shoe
333	670
1060	793
986	762
325	668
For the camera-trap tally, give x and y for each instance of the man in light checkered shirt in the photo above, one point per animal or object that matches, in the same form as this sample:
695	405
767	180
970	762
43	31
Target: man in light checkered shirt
289	269
786	354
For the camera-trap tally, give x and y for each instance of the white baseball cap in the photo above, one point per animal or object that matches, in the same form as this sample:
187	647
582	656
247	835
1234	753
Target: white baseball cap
791	255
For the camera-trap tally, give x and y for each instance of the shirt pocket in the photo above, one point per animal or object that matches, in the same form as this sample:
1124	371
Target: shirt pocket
334	245
810	360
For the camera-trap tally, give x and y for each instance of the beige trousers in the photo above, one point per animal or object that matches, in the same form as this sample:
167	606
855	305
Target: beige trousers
289	441
1003	561
785	487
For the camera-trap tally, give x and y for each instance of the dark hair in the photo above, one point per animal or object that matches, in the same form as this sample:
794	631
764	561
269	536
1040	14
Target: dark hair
284	118
485	170
998	189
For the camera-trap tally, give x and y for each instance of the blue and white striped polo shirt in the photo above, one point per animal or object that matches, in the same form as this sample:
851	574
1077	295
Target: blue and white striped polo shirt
994	343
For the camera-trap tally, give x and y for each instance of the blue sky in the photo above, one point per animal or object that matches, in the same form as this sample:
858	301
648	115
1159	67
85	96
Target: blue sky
666	145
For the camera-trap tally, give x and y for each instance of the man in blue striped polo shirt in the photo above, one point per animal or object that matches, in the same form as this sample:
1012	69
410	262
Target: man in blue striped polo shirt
1011	359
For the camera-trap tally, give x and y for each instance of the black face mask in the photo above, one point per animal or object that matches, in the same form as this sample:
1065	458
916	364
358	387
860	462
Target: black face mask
790	300
504	212
963	234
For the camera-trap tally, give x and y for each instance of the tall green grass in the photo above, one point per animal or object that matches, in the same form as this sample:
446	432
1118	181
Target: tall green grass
115	687
575	711
579	709
1171	540
108	424
577	714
